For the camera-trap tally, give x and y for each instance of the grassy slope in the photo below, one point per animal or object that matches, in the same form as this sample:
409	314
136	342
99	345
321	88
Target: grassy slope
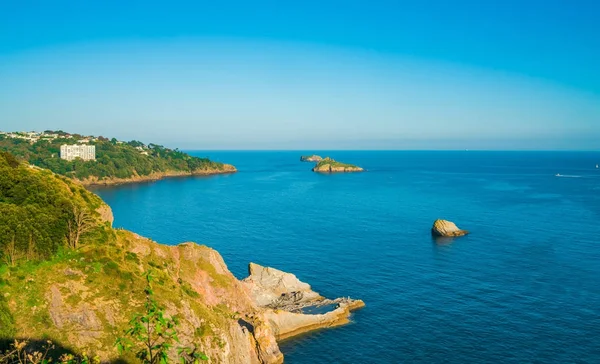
100	287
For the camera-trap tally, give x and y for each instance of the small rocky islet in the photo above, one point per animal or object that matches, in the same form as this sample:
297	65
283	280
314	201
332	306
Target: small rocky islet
329	165
311	158
446	229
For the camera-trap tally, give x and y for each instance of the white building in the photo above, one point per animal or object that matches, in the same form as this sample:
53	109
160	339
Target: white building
85	152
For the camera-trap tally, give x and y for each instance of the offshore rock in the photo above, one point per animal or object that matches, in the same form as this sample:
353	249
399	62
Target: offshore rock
329	165
311	158
445	228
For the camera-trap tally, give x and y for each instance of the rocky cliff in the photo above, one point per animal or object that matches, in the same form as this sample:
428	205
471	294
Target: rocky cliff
85	299
329	165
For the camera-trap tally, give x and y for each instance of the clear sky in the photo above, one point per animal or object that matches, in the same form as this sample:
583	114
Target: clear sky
428	74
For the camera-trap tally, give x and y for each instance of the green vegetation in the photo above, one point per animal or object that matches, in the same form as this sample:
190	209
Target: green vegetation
152	334
114	159
60	278
40	213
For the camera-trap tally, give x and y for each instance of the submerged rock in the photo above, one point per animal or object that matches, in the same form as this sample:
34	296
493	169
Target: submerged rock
445	228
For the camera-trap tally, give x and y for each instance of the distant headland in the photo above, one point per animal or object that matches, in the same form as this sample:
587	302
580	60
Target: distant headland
99	160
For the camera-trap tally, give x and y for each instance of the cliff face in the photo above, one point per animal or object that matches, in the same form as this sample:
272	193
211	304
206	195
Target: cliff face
85	299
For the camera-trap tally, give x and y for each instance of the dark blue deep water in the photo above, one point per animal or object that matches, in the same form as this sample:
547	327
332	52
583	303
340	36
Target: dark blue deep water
523	287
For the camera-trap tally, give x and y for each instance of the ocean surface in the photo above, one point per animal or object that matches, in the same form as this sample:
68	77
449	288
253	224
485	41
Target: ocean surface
524	287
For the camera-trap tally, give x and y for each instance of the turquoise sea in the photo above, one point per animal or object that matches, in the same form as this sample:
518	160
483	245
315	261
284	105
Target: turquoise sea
524	287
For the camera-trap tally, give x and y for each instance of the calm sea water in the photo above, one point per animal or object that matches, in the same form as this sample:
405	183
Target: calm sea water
523	287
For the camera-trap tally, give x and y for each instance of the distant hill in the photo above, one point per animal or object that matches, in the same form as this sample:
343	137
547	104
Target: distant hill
116	161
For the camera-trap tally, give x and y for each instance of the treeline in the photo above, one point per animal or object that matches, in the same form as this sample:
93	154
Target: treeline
40	212
113	159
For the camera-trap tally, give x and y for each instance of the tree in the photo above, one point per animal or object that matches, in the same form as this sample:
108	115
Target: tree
80	222
11	254
152	334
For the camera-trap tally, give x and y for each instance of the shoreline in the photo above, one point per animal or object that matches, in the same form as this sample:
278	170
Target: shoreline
94	182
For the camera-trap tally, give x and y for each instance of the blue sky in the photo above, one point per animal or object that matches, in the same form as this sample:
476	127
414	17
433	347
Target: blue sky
304	75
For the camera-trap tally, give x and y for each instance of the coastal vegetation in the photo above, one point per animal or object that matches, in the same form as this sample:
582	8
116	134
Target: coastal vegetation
116	161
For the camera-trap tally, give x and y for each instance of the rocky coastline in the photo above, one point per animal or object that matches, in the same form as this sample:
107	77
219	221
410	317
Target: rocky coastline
284	298
95	181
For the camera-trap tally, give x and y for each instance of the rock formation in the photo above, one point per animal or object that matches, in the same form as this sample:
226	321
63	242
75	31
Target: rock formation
329	165
445	228
311	158
284	297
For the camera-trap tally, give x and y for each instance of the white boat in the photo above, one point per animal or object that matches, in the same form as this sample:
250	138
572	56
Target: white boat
558	175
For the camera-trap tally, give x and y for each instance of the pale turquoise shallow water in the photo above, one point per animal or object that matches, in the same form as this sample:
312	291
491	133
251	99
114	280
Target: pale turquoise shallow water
523	287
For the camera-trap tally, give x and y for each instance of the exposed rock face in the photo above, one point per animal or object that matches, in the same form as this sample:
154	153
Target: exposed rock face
446	228
106	214
311	158
284	296
89	307
88	301
270	287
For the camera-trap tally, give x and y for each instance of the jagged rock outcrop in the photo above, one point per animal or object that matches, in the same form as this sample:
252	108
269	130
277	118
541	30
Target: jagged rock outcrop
284	297
87	302
311	158
106	214
329	165
445	228
270	287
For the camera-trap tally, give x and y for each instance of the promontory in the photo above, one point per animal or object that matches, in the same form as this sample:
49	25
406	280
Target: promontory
97	160
71	282
329	165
